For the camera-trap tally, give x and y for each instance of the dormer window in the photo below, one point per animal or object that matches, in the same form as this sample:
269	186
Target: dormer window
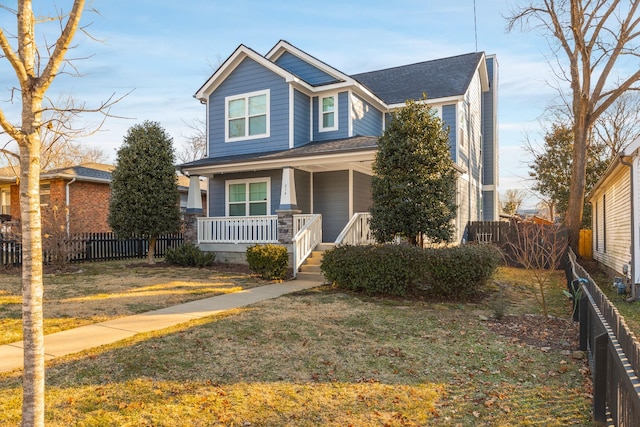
247	116
328	119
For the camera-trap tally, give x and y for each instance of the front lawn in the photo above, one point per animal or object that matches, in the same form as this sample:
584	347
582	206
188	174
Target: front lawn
330	358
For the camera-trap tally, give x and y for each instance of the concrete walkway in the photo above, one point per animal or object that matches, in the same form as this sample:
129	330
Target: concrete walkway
79	339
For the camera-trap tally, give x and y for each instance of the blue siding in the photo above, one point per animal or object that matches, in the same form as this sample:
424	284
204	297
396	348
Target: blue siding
331	199
302	118
489	146
303	190
449	119
367	120
361	192
217	188
303	69
250	76
343	120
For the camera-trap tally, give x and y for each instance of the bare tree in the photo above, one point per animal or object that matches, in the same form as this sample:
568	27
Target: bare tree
512	201
35	69
195	145
58	134
539	248
619	125
591	41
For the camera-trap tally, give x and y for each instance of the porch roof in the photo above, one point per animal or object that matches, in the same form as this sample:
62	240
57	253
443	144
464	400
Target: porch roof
313	156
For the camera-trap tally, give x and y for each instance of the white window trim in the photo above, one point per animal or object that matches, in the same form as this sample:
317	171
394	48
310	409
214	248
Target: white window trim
335	113
246	181
246	96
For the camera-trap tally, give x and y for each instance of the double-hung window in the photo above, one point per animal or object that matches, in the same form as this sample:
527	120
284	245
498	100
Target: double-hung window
328	109
247	116
5	201
248	198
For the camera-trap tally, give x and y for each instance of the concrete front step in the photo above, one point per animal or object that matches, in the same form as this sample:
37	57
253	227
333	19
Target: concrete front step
311	267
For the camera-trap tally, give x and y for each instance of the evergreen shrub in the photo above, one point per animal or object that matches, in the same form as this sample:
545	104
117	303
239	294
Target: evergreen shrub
189	255
399	270
269	261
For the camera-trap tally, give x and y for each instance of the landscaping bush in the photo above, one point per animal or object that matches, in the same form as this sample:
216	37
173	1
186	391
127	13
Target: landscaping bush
374	269
189	255
269	261
398	270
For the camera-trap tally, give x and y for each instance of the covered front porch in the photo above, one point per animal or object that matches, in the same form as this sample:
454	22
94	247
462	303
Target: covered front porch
302	197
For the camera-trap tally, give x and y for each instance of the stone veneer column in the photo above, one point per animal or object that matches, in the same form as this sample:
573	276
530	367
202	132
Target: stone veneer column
194	210
285	225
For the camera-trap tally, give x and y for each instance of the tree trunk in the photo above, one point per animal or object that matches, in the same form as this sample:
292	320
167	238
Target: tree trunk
32	287
573	219
152	250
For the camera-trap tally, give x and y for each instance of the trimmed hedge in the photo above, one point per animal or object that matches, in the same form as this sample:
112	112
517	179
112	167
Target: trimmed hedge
269	261
399	270
189	255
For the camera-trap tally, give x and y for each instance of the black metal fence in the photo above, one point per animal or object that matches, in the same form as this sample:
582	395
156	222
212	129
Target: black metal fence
614	353
87	247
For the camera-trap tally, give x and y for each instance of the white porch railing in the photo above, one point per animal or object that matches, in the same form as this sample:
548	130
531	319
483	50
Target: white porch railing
306	239
299	221
357	231
238	229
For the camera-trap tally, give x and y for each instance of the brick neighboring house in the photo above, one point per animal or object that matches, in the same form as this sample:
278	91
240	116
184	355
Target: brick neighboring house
84	189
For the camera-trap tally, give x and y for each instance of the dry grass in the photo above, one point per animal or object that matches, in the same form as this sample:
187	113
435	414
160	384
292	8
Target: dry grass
103	291
320	357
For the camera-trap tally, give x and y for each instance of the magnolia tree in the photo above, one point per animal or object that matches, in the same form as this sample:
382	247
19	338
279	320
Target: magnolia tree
414	182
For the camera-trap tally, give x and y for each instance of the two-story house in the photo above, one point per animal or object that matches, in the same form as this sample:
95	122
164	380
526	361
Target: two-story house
290	134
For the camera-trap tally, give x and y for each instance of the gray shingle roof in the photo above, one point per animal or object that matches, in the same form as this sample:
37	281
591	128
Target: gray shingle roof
354	144
438	79
80	172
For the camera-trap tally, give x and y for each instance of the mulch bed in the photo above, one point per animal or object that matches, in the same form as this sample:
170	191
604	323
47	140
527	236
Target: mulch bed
538	331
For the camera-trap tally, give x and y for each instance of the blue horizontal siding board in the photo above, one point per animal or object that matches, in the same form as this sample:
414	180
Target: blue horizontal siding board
368	120
331	200
302	120
488	144
449	119
343	120
249	76
217	189
304	70
303	190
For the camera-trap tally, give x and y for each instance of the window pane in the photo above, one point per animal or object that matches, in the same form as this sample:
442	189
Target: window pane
237	209
258	208
327	104
236	108
257	191
257	125
257	105
327	120
237	193
236	128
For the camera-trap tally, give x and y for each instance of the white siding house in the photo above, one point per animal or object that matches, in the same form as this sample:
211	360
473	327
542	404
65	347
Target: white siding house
615	201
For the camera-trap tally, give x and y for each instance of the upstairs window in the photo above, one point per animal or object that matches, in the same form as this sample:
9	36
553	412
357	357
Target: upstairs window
328	119
248	198
247	116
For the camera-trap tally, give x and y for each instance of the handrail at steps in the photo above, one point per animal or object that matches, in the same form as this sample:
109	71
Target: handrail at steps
357	231
305	240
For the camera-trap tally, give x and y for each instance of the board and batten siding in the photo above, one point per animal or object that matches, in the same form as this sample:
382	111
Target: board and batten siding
331	200
304	70
343	120
449	119
301	118
489	132
247	77
217	189
366	120
362	199
612	231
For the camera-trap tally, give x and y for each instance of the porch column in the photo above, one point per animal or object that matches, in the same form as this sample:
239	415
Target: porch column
288	189
194	210
285	225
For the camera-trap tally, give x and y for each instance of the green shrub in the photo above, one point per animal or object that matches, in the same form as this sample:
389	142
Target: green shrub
269	261
399	270
189	255
375	269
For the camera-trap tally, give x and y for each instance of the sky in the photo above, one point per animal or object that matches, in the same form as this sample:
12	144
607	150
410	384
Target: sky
159	52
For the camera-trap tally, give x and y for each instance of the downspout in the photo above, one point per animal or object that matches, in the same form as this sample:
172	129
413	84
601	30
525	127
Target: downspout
67	201
634	294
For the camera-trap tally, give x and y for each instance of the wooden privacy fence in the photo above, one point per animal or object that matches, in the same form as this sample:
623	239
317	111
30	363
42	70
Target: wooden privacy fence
87	247
488	231
614	353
